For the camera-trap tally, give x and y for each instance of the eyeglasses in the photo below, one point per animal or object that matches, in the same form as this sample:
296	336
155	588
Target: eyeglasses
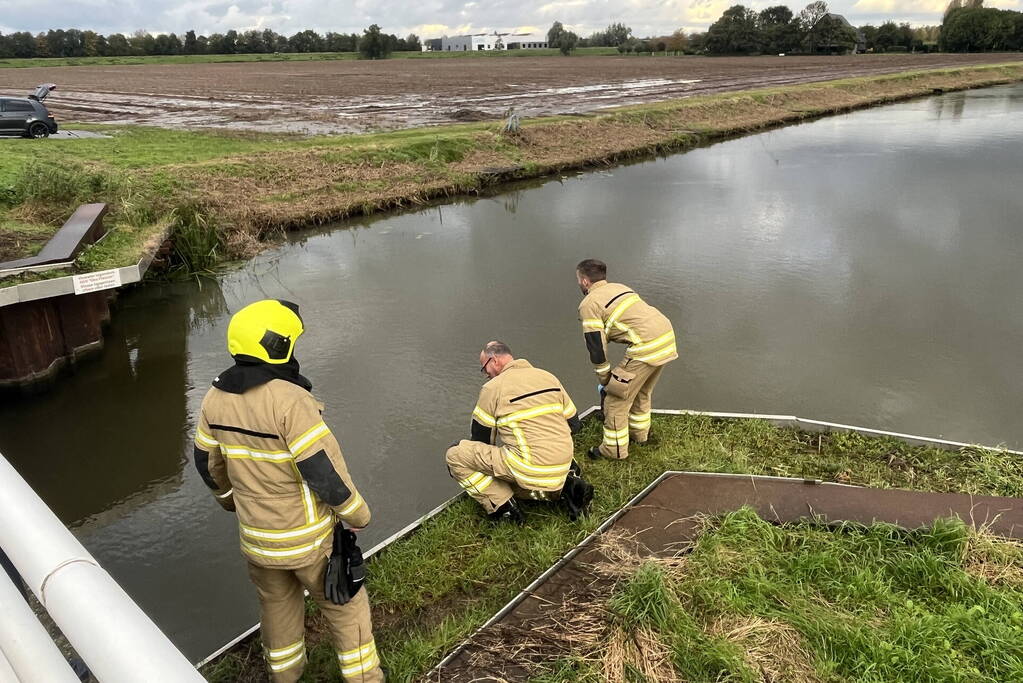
483	368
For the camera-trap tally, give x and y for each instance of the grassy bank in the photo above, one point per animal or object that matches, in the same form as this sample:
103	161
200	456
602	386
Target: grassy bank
433	588
226	193
756	602
285	57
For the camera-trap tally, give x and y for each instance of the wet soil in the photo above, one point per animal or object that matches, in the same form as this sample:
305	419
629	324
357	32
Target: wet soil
361	96
666	522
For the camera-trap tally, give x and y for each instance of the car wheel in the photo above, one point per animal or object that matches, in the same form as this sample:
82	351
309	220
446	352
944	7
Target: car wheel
39	130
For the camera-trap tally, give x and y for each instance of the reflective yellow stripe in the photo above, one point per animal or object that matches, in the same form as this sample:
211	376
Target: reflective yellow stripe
283	666
658	354
619	310
360	660
528	473
569	410
243	453
362	668
358	654
353	506
222	496
283	652
310	436
205	439
656	343
285	534
593	323
293	551
515	462
530	413
483	417
601	369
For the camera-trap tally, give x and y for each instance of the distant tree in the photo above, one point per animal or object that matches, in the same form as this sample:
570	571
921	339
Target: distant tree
306	41
373	44
202	45
779	30
566	42
412	43
677	42
251	42
190	45
117	45
887	35
734	33
810	20
614	35
554	32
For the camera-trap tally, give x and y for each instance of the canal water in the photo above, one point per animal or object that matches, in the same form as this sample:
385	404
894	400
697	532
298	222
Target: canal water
862	269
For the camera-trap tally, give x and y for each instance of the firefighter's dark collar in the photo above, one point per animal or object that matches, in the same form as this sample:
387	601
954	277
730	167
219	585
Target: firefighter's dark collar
248	372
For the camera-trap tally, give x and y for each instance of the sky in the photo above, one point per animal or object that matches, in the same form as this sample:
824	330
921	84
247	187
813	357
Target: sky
426	18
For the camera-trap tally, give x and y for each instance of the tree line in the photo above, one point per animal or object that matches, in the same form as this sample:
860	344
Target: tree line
373	43
967	27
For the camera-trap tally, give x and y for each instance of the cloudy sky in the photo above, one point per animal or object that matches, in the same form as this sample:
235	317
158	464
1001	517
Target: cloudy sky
427	18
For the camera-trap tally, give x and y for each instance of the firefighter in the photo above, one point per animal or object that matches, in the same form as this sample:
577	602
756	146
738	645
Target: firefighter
531	413
262	447
613	312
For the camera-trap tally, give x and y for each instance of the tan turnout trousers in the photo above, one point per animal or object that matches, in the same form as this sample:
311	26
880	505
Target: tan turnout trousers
526	409
282	614
629	416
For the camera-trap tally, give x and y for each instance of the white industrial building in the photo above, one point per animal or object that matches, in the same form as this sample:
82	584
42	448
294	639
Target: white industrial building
488	41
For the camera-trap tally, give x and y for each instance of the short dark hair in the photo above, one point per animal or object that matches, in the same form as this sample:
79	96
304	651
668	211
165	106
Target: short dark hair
593	269
496	348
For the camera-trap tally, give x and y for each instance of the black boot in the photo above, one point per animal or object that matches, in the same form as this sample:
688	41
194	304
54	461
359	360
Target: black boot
576	496
575	469
594	453
508	512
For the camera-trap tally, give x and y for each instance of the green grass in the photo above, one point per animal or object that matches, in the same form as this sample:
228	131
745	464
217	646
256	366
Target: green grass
282	57
853	603
433	588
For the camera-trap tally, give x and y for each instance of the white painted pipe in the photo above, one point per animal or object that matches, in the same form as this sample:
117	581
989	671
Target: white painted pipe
7	674
28	648
104	625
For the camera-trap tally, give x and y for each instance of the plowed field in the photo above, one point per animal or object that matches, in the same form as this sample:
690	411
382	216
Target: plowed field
361	96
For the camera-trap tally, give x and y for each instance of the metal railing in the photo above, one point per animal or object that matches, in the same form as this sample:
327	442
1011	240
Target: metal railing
118	642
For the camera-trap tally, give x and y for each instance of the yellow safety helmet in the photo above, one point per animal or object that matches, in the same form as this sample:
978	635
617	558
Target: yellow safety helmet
265	330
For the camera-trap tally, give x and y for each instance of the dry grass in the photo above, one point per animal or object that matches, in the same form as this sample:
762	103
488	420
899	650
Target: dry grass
772	648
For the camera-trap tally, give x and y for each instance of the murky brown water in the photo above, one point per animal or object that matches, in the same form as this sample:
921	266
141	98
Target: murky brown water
862	269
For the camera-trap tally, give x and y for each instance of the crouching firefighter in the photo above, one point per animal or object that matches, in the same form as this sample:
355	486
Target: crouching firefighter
613	312
261	445
530	413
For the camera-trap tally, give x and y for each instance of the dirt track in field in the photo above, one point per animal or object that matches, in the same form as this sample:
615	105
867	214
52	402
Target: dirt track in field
363	96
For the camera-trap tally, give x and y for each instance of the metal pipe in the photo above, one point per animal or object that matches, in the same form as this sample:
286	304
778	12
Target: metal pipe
108	630
7	674
27	647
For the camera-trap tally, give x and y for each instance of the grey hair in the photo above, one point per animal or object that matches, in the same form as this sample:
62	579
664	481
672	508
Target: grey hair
496	348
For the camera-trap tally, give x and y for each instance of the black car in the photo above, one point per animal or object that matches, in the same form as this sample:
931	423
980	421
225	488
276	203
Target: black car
27	116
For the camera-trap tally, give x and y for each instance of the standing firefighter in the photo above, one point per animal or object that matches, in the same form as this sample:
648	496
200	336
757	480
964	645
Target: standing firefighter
531	413
263	448
613	312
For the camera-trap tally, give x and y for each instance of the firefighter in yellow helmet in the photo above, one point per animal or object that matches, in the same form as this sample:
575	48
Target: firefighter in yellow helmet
613	312
262	447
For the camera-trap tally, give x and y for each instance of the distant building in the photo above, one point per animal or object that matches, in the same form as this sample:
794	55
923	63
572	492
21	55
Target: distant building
488	41
433	45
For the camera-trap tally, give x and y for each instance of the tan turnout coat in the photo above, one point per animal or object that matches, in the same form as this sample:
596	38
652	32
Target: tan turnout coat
613	312
248	448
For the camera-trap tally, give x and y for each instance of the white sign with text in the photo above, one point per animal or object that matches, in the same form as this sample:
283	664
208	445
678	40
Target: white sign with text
98	281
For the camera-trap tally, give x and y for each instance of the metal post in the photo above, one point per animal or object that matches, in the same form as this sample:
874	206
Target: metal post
108	630
27	647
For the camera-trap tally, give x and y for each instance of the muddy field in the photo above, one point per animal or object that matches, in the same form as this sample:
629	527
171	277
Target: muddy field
363	96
